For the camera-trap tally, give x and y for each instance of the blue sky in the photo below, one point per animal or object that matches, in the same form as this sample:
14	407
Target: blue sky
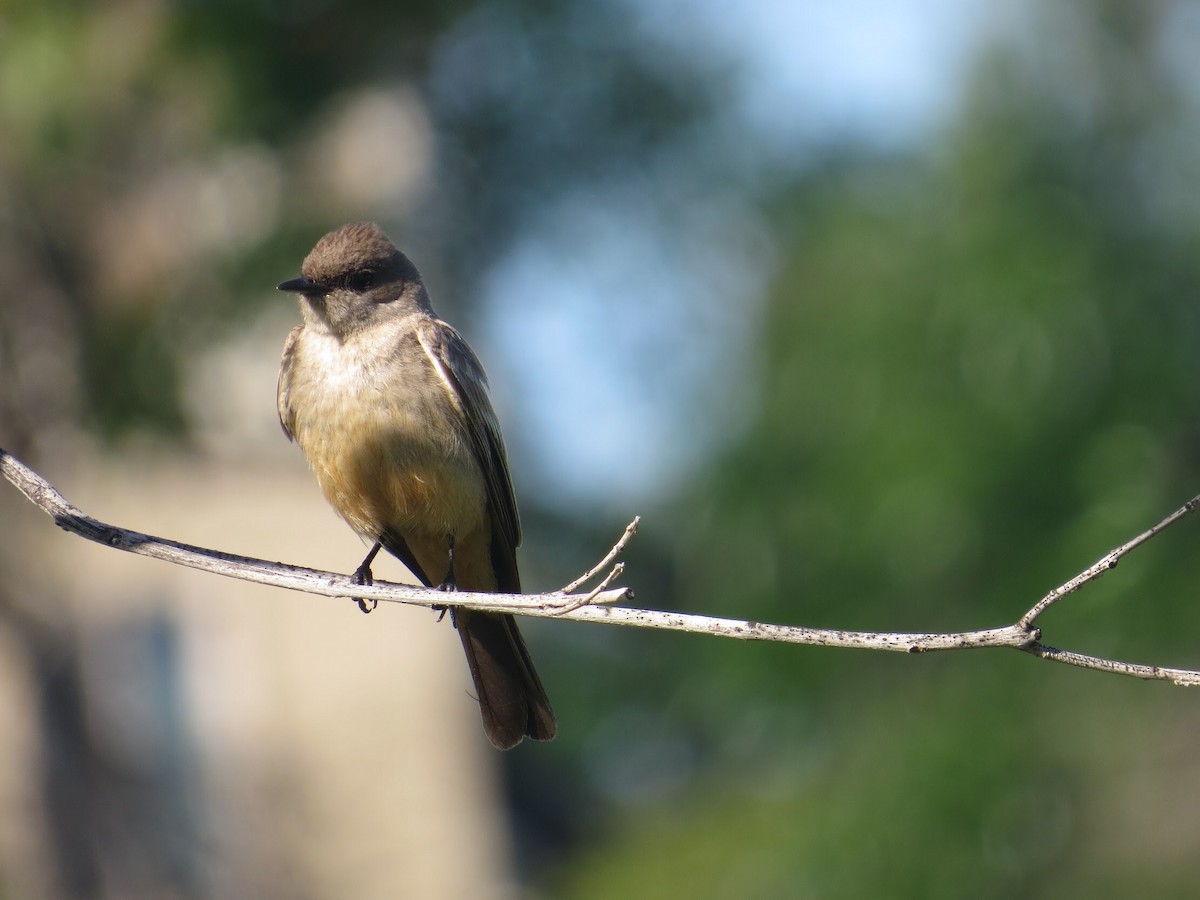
883	70
625	316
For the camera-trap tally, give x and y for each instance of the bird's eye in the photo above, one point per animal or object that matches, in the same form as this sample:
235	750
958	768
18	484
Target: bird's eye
360	281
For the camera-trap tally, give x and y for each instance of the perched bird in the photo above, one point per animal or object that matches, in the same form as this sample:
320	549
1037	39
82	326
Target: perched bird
389	405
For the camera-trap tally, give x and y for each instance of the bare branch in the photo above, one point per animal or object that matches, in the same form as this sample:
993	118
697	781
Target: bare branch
1184	677
1105	563
298	578
630	531
599	604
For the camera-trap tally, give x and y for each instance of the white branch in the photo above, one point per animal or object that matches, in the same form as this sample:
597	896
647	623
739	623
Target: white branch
599	604
1106	563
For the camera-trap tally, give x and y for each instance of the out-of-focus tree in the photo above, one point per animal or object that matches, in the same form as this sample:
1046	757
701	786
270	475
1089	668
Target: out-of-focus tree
150	191
979	375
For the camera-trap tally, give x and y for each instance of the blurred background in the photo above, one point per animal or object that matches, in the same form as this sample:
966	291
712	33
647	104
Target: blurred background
883	315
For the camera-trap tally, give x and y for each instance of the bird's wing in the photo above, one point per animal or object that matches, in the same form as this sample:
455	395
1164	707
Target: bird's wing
286	416
464	378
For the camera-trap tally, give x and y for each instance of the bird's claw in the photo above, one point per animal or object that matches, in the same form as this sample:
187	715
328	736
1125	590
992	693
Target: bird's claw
364	575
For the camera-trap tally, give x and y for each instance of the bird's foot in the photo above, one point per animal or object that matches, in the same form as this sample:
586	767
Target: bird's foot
364	575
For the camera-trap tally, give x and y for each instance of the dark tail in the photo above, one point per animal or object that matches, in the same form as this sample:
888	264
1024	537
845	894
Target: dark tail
511	696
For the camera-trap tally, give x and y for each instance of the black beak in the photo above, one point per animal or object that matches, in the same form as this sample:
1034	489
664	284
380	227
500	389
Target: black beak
302	285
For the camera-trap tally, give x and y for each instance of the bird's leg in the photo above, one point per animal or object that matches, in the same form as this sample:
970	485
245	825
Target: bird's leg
449	584
363	575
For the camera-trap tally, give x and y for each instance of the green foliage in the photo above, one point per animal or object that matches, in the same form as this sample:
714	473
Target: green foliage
132	376
977	376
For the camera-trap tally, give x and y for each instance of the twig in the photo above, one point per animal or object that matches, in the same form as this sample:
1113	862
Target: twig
598	605
1184	677
630	531
1106	563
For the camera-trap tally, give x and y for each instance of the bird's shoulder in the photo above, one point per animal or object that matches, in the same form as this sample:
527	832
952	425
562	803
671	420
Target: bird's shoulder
446	346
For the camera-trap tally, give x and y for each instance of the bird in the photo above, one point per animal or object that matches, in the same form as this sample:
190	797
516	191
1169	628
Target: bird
389	405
